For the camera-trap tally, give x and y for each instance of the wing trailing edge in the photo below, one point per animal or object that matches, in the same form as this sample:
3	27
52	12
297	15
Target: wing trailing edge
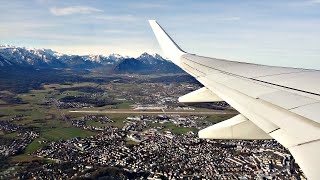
201	95
237	127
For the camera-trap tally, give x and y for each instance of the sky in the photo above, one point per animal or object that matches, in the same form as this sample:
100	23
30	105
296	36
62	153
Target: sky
273	32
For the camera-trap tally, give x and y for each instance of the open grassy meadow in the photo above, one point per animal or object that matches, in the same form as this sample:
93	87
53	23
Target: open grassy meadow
66	133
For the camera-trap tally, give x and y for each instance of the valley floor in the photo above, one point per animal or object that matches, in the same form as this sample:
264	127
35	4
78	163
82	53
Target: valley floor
92	125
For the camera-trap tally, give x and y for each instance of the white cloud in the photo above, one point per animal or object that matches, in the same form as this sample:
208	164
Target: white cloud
114	31
73	10
122	32
44	1
116	18
148	5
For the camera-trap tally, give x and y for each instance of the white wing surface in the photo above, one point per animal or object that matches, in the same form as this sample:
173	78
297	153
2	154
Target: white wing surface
274	102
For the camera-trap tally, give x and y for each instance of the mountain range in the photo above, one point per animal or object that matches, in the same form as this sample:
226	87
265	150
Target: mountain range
17	57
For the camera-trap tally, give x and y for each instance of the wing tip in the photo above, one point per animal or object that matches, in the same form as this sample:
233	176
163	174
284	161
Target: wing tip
169	47
153	22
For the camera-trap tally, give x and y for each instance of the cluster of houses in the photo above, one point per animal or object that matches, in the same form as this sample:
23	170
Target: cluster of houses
164	154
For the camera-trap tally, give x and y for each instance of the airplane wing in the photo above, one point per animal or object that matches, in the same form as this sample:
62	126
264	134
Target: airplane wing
274	102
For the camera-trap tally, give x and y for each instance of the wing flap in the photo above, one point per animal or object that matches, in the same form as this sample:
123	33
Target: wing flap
238	127
307	156
201	95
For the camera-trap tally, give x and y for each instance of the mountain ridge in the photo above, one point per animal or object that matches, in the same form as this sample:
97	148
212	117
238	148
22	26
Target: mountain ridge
46	58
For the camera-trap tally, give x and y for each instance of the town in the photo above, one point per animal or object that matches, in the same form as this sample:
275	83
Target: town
128	130
165	155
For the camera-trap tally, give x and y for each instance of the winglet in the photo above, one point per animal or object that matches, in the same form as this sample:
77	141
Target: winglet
168	46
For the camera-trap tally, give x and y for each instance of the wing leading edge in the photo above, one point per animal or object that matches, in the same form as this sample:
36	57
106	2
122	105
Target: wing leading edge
282	103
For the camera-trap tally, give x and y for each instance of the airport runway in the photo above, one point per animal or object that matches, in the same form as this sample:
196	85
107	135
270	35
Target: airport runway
153	112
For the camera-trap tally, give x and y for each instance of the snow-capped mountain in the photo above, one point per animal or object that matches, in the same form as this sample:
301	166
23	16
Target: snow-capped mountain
110	59
117	57
150	59
47	58
147	64
22	56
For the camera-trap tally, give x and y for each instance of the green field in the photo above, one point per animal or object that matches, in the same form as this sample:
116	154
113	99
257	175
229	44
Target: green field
218	118
183	130
66	133
96	124
124	105
35	145
25	158
10	135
